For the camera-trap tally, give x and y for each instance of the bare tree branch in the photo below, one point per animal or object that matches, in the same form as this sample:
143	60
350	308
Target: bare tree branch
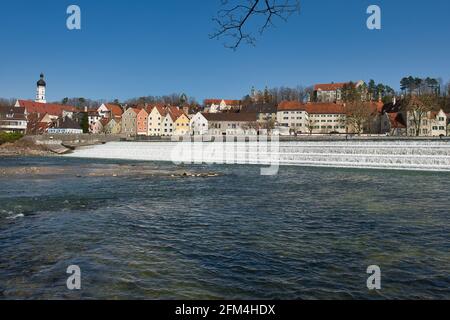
232	20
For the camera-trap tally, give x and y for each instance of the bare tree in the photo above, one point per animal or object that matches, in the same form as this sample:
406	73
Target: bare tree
234	17
418	108
268	124
310	125
358	115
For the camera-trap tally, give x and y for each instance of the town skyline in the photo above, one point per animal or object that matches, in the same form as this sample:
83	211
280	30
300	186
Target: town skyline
115	61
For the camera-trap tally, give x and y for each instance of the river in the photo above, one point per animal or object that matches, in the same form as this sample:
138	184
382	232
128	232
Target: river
305	233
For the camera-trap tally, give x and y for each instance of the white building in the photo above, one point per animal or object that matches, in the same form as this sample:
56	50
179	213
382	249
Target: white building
220	105
65	126
326	118
13	119
292	117
155	119
110	111
224	124
428	124
332	92
199	124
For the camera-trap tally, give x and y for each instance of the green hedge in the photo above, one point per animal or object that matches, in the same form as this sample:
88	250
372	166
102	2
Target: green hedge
9	137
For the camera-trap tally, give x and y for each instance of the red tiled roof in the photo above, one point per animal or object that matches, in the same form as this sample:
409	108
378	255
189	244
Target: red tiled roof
396	120
115	109
161	110
291	106
41	108
174	113
325	108
135	110
329	86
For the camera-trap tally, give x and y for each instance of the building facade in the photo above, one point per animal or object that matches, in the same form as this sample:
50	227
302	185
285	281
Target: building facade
108	110
155	119
427	124
331	92
326	118
142	123
182	125
129	122
13	119
292	117
224	124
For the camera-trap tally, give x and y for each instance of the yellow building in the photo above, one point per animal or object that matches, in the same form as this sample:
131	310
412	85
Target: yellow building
182	125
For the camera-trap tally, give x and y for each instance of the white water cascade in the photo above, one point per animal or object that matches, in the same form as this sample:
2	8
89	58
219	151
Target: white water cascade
419	155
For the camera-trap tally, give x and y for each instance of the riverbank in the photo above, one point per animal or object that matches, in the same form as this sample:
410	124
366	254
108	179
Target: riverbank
23	148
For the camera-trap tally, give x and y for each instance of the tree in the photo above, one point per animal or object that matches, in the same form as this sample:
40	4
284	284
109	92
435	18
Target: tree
268	124
419	86
358	115
267	97
7	102
252	125
350	93
381	90
310	124
84	124
417	109
372	89
232	20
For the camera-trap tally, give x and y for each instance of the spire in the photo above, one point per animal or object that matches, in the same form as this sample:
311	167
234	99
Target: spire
40	91
41	82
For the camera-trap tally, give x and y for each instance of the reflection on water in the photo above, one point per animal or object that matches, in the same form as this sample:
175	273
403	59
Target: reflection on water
307	233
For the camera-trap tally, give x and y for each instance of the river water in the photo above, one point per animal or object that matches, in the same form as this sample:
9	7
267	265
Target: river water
305	233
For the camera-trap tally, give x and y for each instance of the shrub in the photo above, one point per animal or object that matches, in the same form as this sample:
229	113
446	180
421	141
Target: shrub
9	137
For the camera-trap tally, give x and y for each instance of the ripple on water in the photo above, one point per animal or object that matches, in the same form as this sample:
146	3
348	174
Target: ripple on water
304	234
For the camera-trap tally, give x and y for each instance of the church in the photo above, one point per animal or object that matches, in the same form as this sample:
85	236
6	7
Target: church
40	91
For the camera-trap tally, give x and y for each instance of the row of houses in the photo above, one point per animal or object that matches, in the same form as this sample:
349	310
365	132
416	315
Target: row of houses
329	115
288	118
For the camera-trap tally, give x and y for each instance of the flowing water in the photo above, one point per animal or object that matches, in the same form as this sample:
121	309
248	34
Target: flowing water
305	233
432	155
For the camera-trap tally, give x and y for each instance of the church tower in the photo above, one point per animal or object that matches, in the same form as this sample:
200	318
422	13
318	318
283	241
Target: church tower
40	91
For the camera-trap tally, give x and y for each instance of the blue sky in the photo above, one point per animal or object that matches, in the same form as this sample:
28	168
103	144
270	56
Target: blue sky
140	47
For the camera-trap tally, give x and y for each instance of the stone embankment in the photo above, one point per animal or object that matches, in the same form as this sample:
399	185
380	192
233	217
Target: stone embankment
46	145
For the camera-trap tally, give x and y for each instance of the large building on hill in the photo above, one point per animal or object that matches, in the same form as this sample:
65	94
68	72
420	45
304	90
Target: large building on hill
331	92
220	105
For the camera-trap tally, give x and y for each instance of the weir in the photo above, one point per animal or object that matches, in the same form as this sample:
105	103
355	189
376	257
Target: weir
418	155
